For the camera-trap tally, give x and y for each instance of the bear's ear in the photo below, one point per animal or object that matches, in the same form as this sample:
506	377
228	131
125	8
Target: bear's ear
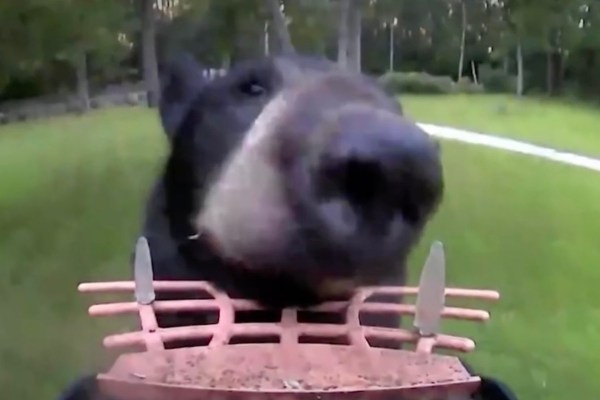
181	80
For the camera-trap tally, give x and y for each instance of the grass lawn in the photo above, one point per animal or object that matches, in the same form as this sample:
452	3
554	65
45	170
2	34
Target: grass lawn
562	125
71	196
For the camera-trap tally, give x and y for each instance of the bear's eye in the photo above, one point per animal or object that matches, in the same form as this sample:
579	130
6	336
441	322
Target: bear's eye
252	88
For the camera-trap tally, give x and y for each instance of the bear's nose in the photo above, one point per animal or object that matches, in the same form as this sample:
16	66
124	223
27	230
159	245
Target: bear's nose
380	164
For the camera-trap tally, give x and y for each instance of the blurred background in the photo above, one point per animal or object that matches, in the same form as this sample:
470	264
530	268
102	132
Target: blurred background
80	145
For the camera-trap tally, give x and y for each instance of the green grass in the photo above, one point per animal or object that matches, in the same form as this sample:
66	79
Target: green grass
562	125
71	197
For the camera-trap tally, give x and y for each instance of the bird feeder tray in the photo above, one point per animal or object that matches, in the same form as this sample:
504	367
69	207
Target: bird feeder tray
286	358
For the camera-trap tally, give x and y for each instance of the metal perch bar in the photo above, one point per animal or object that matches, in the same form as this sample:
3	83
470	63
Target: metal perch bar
181	286
153	337
269	330
172	306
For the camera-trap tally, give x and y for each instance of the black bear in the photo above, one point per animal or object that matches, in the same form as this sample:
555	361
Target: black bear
289	181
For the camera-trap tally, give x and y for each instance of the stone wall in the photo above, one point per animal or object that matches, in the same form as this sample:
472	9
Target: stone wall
125	94
129	94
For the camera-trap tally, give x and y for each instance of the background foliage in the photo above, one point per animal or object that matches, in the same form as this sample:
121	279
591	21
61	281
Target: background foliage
43	42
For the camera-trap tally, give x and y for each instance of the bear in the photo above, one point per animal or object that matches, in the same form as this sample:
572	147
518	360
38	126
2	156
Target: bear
289	181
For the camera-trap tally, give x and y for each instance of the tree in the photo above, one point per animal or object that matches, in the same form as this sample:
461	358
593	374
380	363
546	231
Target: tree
462	39
150	64
80	31
349	34
281	30
88	30
355	35
520	71
23	43
548	44
312	25
343	32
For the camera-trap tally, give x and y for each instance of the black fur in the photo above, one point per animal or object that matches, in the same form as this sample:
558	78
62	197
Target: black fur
84	388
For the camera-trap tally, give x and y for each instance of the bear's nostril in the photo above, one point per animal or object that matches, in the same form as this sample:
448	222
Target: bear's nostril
361	182
367	187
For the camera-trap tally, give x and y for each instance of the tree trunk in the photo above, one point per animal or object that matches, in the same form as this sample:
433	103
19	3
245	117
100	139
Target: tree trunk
549	72
392	46
461	59
83	87
520	71
560	62
554	71
354	34
281	30
226	61
474	72
343	32
589	72
552	66
149	52
266	38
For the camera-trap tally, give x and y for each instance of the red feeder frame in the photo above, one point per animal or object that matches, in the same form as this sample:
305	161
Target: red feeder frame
282	360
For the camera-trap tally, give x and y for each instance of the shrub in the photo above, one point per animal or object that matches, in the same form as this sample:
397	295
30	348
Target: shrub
466	85
417	82
495	80
424	83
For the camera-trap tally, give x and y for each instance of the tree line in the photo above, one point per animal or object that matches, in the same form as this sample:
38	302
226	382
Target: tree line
540	46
